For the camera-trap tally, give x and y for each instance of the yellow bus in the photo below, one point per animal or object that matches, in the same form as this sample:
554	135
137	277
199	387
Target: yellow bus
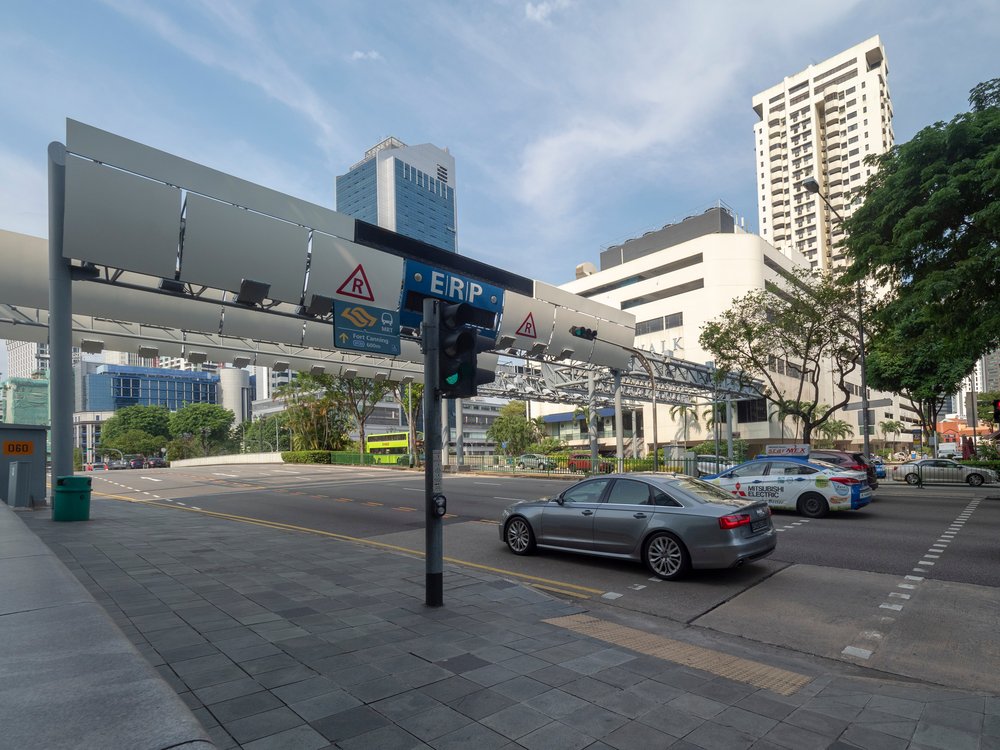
392	447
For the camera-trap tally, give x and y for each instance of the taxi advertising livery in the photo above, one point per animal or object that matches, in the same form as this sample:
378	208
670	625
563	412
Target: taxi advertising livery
812	488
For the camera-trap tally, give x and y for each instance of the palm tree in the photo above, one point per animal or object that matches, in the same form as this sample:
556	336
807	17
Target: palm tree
835	429
891	427
689	414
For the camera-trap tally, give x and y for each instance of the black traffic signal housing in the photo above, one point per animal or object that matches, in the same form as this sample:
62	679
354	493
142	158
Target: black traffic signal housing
996	411
459	344
582	332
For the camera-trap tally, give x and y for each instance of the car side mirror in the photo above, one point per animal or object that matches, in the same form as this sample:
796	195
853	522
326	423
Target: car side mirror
559	500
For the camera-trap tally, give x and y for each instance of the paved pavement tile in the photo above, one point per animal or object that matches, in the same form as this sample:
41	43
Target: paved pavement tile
281	641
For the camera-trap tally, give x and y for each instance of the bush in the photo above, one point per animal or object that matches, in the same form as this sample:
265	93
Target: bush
995	465
305	457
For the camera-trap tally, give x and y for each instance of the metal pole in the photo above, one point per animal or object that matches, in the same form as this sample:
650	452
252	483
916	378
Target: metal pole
729	428
60	322
619	422
433	542
459	444
592	420
864	378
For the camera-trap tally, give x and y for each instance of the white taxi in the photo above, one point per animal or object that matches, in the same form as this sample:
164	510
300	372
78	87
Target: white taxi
813	488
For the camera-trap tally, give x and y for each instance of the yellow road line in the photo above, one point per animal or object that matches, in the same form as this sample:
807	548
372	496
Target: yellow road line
558	585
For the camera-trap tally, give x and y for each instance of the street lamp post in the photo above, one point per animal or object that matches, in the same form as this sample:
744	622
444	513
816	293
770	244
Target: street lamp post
812	186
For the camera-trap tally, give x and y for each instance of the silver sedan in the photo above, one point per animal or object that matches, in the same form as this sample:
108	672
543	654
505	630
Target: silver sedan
942	470
670	522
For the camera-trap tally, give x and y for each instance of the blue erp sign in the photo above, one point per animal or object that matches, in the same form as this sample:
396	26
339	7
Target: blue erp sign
421	281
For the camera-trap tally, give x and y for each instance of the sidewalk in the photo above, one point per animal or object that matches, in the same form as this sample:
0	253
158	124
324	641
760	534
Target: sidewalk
285	640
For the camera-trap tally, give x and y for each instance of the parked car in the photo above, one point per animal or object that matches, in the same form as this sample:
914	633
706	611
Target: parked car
848	460
155	462
669	522
534	461
813	488
118	464
942	470
97	467
581	462
137	463
712	464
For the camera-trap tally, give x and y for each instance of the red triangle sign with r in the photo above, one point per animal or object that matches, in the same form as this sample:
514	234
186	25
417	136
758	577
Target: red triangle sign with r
356	285
527	328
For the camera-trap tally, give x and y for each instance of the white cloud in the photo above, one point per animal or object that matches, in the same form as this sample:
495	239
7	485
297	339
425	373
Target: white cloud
540	12
245	50
369	55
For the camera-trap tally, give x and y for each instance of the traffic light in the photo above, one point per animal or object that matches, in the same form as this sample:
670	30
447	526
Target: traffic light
996	411
459	344
582	332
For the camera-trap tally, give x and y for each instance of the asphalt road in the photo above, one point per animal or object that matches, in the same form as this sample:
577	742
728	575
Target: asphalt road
916	568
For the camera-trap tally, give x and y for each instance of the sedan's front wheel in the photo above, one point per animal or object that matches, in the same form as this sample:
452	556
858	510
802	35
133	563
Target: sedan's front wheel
974	480
666	557
912	479
520	538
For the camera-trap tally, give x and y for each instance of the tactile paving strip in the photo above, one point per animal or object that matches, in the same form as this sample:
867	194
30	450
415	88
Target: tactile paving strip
753	673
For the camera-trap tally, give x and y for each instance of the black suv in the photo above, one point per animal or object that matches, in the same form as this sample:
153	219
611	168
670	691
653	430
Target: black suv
854	461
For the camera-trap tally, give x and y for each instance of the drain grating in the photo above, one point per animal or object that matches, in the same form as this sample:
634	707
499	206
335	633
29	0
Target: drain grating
723	665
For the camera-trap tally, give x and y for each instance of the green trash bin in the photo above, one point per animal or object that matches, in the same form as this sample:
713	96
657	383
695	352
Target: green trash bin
71	501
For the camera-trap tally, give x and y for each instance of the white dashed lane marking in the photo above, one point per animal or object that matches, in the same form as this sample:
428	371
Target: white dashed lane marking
868	641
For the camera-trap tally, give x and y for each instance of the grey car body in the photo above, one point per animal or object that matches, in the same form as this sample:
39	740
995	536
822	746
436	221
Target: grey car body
942	470
534	461
669	522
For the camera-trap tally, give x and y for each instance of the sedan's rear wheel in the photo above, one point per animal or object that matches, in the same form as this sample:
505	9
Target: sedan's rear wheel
912	478
520	538
974	480
813	505
666	557
521	465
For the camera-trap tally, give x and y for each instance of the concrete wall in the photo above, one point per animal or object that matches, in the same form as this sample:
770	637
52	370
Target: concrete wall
235	458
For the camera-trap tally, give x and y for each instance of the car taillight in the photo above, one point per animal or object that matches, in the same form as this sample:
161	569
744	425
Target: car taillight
845	480
734	520
858	467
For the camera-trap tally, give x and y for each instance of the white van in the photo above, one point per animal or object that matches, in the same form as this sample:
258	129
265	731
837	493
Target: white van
949	450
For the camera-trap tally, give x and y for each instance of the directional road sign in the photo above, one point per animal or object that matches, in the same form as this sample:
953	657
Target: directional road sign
365	328
872	404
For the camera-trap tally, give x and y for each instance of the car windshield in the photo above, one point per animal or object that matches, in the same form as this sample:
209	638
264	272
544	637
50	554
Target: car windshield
825	465
704	492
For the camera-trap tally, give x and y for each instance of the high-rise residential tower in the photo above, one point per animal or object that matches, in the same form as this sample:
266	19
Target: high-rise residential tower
820	123
408	189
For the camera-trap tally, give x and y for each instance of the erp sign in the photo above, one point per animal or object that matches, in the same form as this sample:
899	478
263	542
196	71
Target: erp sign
421	280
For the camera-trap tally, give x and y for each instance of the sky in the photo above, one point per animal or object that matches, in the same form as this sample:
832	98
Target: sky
575	124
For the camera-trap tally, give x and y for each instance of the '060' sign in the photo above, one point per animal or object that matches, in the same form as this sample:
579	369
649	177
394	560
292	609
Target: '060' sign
18	447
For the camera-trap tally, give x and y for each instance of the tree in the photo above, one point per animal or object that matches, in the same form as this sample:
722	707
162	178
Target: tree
833	430
316	413
925	372
687	415
151	420
928	231
799	329
512	431
271	432
208	423
132	441
410	396
360	397
984	407
891	427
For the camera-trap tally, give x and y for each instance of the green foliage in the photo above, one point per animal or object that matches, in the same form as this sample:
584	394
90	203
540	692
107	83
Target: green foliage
261	434
183	447
316	413
132	441
833	430
410	396
151	420
306	457
360	396
208	424
77	459
987	451
547	446
740	449
928	233
800	325
512	431
984	407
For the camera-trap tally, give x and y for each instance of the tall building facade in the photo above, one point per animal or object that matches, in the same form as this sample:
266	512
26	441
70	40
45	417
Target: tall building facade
820	123
407	189
26	359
